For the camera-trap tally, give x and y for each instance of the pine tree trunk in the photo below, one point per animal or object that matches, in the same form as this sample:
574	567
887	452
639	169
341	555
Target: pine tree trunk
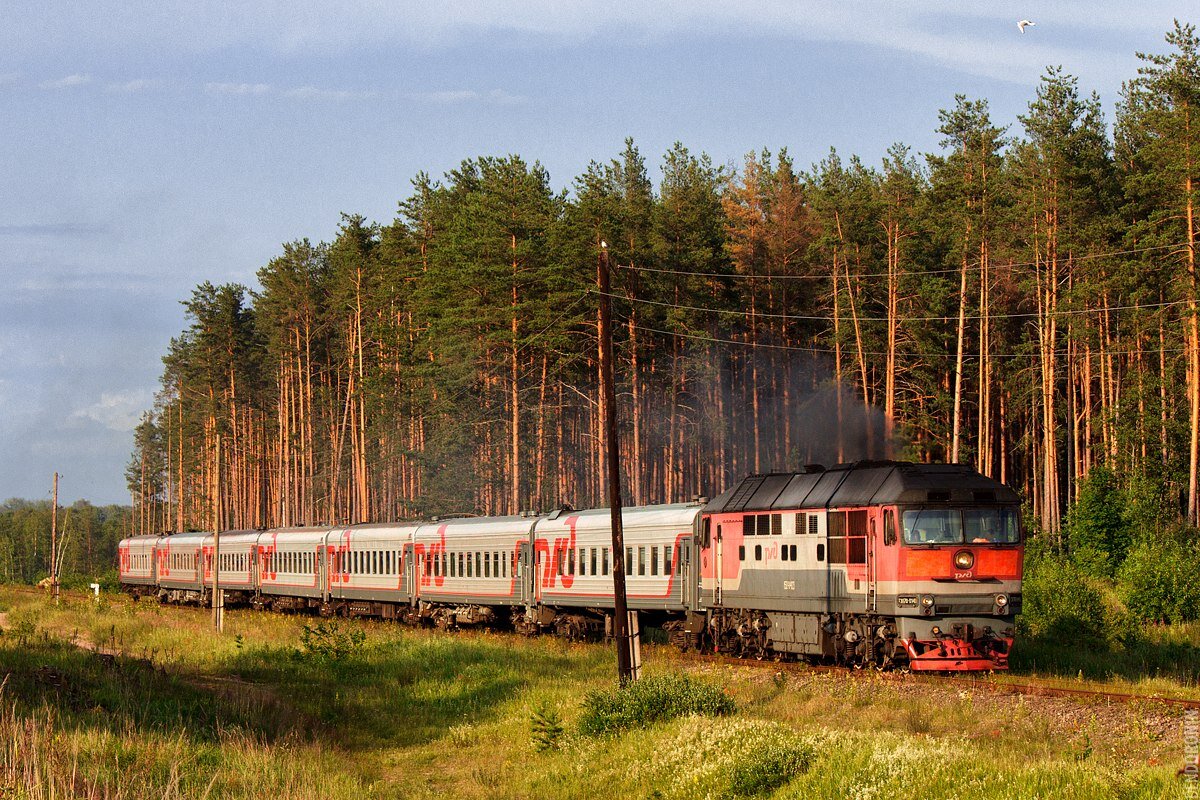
956	419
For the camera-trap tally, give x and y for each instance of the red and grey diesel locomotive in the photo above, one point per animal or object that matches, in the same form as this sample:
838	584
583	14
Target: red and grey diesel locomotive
880	563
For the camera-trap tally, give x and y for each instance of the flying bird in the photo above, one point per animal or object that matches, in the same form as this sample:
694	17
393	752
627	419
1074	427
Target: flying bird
1025	23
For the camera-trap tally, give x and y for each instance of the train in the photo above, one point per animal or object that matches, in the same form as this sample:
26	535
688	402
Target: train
874	563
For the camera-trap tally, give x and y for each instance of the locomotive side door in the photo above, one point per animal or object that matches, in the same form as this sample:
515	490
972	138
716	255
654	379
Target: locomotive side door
872	532
718	549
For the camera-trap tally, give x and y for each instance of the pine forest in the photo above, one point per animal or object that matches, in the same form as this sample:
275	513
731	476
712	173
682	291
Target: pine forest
1022	300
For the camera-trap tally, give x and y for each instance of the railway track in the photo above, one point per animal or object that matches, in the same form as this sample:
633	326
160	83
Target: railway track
992	684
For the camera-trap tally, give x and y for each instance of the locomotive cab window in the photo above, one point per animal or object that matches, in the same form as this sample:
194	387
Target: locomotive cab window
991	526
889	527
934	526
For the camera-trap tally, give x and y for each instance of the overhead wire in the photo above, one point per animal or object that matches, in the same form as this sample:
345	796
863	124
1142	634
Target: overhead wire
912	273
848	318
829	350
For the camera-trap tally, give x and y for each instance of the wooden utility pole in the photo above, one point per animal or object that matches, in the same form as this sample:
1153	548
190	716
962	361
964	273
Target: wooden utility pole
54	542
218	600
612	455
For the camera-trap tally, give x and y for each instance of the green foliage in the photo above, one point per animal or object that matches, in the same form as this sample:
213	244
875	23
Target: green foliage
22	630
88	537
1158	579
773	763
330	641
1061	603
1098	533
743	758
651	700
545	728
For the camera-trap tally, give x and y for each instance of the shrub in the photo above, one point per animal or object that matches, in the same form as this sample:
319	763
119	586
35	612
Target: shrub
1157	580
645	702
771	765
546	729
329	641
707	758
1061	602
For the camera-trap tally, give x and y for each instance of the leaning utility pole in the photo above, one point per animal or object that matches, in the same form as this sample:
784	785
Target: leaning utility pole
54	542
609	396
218	599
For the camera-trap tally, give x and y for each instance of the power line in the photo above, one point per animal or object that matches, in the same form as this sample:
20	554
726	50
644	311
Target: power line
742	313
906	274
829	351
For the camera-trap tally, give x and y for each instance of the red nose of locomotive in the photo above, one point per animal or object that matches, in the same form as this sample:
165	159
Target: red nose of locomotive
957	593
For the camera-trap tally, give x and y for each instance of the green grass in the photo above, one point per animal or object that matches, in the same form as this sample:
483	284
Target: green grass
1155	660
376	710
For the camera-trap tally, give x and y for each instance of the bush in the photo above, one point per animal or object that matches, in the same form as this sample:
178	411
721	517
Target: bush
545	728
701	757
1157	580
1061	602
645	702
768	767
328	641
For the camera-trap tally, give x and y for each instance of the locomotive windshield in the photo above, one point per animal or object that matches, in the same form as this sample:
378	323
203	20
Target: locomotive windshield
961	525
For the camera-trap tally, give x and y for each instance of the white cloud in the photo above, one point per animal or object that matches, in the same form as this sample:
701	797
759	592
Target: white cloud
68	82
502	97
974	38
446	97
456	96
116	411
237	88
134	86
317	93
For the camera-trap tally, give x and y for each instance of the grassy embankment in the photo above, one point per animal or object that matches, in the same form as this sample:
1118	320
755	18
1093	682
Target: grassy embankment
377	710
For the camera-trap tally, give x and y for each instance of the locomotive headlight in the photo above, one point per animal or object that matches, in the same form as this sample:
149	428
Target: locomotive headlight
1002	600
927	604
964	559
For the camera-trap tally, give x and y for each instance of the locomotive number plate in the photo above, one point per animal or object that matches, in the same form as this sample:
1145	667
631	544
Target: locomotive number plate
789	586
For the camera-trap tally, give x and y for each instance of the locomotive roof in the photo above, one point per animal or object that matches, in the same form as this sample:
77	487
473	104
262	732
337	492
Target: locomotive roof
862	483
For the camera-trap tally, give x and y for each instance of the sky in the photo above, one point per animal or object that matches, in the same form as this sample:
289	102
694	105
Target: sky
147	147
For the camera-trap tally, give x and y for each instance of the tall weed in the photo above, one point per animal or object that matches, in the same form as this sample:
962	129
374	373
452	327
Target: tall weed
650	700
